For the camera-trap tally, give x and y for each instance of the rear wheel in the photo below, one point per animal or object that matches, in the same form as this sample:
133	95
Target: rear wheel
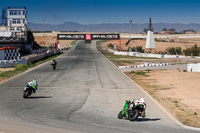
120	116
133	115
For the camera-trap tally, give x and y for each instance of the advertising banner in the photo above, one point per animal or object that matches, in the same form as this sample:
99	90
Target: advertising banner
88	36
71	36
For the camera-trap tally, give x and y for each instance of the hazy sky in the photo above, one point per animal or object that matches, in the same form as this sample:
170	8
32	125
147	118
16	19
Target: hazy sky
108	11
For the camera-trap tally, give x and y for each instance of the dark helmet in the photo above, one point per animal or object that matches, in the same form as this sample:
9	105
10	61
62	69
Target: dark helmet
54	60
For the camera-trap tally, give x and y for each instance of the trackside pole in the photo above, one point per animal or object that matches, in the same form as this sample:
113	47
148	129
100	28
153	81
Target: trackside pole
119	43
57	41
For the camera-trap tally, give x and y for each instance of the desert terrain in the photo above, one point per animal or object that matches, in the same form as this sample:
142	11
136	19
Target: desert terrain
176	90
161	44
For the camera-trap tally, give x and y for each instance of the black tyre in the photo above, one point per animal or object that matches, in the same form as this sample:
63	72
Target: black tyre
120	116
133	115
54	67
25	94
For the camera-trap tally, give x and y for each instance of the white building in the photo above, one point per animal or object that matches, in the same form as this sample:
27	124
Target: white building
17	19
14	20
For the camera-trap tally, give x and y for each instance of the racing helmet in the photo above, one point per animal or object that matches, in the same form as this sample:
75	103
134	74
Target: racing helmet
142	100
127	101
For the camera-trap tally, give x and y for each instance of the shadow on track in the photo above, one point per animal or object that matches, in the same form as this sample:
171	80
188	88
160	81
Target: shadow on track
147	119
37	97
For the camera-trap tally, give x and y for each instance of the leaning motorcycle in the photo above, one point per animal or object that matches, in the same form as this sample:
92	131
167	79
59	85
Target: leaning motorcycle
132	113
27	91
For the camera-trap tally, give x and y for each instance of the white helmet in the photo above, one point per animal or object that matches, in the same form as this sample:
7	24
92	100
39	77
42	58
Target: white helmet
142	100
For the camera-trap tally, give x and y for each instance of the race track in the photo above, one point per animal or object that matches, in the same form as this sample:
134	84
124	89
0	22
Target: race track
84	94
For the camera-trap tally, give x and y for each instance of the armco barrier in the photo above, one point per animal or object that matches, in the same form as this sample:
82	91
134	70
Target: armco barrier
42	56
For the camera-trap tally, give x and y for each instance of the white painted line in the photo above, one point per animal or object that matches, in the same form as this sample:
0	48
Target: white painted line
184	126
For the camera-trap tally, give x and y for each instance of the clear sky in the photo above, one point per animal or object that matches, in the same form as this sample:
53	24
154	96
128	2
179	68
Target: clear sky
108	11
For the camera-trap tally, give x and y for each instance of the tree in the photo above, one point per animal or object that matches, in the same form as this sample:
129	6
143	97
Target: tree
164	29
145	30
30	37
172	29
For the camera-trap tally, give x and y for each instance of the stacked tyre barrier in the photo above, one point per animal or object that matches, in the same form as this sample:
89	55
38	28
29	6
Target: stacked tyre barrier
145	65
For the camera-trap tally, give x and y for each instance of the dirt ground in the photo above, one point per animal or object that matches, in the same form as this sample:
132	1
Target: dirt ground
49	41
160	45
176	90
6	69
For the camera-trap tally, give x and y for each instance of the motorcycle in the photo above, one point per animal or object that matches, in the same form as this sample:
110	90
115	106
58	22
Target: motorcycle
28	90
133	112
53	64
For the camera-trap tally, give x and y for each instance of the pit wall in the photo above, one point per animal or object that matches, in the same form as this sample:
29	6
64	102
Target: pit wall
25	61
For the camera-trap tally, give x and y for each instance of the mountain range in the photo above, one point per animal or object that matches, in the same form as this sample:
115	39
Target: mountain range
111	27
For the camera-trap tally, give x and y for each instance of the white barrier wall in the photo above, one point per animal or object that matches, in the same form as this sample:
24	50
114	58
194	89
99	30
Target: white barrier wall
193	67
147	55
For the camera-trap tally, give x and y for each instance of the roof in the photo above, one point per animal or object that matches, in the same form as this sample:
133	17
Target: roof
8	48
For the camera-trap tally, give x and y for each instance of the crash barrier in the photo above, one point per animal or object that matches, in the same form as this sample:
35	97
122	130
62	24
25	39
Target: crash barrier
25	61
193	67
145	65
147	55
42	56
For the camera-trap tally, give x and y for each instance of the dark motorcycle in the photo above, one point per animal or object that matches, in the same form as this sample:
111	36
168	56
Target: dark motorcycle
27	91
132	113
53	64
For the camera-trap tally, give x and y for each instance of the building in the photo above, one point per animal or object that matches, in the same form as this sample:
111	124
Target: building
13	28
14	20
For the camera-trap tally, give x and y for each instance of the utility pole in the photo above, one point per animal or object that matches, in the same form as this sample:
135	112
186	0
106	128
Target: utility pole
131	25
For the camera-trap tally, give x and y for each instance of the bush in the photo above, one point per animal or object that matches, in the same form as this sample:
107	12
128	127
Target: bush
174	50
141	73
21	67
110	45
138	49
132	72
194	51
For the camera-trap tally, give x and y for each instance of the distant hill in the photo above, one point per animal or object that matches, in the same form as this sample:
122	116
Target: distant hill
111	27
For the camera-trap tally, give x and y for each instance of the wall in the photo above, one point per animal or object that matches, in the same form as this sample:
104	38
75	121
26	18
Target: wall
193	67
137	54
25	61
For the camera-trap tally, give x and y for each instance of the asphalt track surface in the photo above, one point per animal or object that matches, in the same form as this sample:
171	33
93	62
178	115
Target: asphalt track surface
84	94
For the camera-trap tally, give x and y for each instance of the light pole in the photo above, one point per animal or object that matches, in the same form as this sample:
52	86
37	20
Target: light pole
131	25
43	26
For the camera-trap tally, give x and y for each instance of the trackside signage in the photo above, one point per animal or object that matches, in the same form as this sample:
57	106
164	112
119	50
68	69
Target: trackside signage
71	36
105	36
88	36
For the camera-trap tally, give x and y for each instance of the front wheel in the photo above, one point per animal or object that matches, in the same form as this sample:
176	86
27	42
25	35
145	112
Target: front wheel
120	116
25	94
133	115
